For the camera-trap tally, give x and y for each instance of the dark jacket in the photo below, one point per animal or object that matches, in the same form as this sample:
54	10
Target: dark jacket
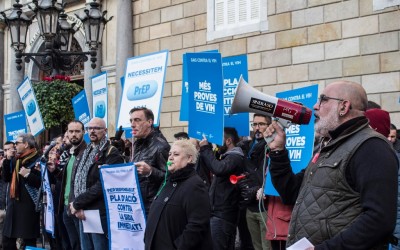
179	217
255	161
224	196
22	220
77	153
371	172
93	198
397	228
3	192
203	172
154	151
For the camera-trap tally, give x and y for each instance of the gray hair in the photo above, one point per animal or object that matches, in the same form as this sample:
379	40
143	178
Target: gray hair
29	139
188	148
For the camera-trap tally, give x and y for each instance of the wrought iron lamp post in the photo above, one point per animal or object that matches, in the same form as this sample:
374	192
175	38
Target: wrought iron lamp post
57	34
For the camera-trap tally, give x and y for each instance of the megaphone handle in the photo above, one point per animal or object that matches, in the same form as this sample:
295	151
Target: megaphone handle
283	124
270	138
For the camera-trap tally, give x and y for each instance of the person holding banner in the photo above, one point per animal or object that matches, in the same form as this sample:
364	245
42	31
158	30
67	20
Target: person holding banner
149	153
22	217
346	197
179	217
87	187
224	196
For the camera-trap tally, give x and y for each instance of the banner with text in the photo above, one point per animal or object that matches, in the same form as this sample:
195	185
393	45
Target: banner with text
31	107
81	110
184	109
49	209
15	124
234	67
299	138
206	110
100	97
143	86
125	211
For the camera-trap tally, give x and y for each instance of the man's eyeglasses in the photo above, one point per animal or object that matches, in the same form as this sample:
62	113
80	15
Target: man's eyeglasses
18	142
260	124
93	128
323	98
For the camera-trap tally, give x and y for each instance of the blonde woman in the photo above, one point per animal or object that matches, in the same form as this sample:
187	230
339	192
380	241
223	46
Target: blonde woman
179	217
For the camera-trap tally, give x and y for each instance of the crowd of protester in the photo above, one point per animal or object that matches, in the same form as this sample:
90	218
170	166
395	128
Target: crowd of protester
197	195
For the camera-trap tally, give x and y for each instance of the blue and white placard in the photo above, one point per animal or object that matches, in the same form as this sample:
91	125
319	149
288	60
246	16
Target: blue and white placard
49	208
234	67
299	138
31	107
125	211
81	107
100	96
206	111
143	86
81	110
15	125
184	109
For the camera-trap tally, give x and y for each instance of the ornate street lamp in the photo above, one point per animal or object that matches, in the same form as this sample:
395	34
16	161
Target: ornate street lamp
57	34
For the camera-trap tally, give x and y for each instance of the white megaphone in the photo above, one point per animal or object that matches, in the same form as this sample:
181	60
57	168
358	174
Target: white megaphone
248	99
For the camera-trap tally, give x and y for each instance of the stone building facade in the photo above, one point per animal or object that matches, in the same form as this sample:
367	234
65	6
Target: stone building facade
298	43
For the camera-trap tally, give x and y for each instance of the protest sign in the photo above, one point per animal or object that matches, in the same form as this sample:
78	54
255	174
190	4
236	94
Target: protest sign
81	110
125	211
299	138
206	111
31	107
49	208
100	97
143	86
234	67
184	109
15	124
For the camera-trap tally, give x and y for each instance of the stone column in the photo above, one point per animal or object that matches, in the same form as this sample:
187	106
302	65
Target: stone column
124	42
2	101
16	77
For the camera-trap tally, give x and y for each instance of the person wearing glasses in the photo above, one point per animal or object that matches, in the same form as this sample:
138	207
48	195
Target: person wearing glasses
347	195
255	162
22	216
86	187
149	153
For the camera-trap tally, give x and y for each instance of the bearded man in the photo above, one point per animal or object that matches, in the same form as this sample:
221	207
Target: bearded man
346	197
224	197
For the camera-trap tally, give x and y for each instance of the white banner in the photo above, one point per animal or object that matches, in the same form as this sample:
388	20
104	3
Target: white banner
100	96
49	209
143	86
125	212
31	107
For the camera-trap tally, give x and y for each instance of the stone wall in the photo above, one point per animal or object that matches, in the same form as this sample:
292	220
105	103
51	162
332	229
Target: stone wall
308	42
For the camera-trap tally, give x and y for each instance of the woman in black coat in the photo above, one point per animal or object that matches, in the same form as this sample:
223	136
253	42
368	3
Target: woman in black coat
179	217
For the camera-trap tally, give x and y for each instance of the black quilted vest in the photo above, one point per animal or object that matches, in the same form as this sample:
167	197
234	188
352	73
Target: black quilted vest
326	204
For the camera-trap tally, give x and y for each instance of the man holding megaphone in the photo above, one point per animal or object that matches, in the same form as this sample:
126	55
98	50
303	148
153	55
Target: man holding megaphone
346	197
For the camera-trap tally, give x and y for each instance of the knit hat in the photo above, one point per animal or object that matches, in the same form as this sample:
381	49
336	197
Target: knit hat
379	120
